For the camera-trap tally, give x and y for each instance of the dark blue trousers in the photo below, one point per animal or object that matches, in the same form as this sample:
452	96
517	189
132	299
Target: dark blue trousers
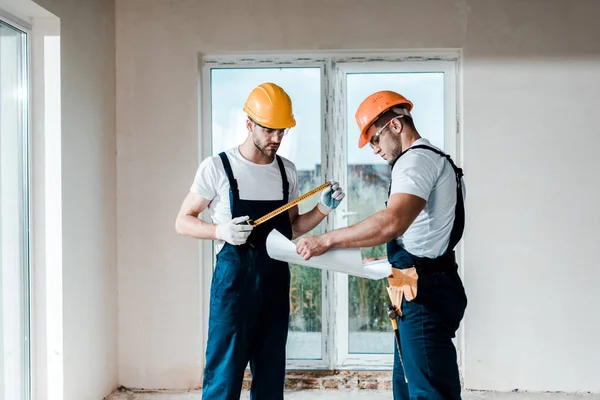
249	313
249	306
427	327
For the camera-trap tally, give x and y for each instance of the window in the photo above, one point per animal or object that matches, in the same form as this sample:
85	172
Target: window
14	215
337	321
229	89
364	337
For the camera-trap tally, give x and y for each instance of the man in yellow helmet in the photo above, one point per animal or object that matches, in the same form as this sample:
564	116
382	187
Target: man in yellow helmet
249	299
422	224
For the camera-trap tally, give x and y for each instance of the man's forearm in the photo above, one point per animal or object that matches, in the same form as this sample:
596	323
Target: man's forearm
306	222
376	230
189	225
373	231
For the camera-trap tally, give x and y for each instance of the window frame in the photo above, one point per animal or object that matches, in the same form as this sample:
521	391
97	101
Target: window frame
205	149
334	68
345	359
26	201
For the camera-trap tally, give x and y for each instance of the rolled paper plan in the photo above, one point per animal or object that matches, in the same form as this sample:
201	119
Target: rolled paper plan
347	261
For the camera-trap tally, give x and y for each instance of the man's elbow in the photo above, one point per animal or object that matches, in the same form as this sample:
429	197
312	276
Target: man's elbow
392	231
179	226
295	233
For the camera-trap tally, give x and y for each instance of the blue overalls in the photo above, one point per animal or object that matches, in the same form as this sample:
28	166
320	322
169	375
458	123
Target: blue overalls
249	305
429	322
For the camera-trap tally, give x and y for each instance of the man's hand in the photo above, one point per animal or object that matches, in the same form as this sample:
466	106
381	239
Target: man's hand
234	232
311	246
331	198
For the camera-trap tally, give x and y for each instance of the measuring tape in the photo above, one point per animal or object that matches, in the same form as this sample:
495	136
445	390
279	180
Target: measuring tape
288	205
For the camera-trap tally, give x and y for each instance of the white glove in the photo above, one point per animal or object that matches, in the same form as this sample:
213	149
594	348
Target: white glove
234	232
331	198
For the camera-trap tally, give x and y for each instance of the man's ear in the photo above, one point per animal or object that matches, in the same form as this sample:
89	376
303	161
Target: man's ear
249	124
397	124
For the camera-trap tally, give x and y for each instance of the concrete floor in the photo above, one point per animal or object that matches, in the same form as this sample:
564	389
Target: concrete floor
355	395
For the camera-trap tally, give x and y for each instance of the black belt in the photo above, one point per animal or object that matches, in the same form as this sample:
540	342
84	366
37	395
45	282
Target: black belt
444	263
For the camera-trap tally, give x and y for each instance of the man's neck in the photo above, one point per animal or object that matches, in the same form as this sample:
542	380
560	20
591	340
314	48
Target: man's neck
249	151
408	140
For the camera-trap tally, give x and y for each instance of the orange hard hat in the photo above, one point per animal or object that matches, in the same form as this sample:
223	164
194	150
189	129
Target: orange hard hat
373	107
270	106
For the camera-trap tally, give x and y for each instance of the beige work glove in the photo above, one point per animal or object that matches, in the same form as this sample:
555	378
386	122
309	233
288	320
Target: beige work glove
234	232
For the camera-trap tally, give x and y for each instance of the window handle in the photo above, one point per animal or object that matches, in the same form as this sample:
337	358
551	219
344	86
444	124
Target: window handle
345	214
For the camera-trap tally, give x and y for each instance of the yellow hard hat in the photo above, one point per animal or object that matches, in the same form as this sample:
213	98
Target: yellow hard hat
270	106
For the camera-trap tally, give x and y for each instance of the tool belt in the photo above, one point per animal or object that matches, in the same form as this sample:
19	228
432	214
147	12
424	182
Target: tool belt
403	283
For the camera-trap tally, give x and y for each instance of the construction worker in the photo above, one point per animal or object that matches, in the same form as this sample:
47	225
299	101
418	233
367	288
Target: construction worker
423	222
249	298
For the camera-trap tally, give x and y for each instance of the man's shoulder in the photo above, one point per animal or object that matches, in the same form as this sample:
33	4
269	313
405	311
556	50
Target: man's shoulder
215	159
231	152
289	165
211	161
235	158
424	147
426	156
214	165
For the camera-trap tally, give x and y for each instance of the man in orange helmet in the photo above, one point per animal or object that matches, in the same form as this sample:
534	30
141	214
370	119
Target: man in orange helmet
249	299
423	222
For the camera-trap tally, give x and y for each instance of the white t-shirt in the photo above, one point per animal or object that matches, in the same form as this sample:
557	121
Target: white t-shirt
425	174
255	182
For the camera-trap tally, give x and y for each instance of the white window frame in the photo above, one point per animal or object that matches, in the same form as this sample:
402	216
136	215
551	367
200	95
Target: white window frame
344	359
26	28
207	248
45	222
334	68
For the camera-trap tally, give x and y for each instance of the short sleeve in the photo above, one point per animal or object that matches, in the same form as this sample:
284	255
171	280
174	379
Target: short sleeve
205	181
415	173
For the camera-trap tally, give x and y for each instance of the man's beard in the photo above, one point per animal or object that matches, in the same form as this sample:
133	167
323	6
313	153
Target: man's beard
394	154
263	148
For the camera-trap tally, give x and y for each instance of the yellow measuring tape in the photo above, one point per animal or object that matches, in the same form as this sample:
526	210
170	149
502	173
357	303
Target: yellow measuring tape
288	205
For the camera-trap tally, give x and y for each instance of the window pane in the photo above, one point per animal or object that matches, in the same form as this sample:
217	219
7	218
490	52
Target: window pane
368	180
14	263
302	145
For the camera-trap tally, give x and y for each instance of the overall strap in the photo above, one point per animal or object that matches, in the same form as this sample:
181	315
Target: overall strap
459	212
228	171
286	184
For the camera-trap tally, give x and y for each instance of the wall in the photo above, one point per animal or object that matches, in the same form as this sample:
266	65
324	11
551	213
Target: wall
89	196
531	83
531	75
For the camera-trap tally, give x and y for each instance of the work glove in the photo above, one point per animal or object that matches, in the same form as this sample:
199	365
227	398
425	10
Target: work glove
234	232
331	198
